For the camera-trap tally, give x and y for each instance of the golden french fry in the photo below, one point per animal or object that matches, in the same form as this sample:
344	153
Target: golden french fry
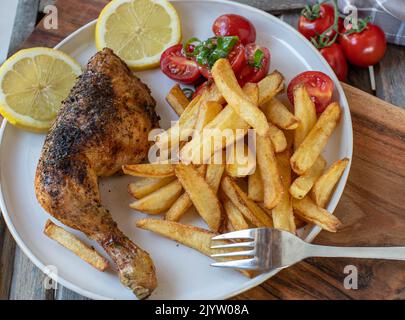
240	163
303	184
214	175
270	86
78	247
179	207
308	211
229	227
247	207
149	170
252	91
309	150
190	236
184	127
201	195
183	203
160	200
177	99
235	217
282	214
227	84
277	113
324	186
304	110
277	138
266	160
255	186
223	128
144	186
208	111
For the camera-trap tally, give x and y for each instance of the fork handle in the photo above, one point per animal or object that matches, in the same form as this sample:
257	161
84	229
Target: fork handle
388	253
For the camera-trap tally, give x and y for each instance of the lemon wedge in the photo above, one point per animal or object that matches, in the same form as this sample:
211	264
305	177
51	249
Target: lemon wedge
33	84
138	30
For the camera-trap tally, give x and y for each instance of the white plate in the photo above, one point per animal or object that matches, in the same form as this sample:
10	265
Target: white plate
182	273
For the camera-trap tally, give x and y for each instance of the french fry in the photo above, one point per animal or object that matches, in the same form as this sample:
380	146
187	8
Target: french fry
177	99
309	150
247	207
308	211
190	236
227	84
143	187
282	214
270	86
179	207
149	170
72	243
199	150
184	127
183	203
266	160
208	111
201	195
241	163
235	217
214	175
277	113
160	200
252	91
277	138
304	110
303	184
255	186
324	186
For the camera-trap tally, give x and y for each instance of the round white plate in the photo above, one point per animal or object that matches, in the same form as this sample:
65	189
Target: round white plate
182	272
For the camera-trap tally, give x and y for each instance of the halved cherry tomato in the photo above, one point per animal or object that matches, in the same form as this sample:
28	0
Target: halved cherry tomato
319	85
235	25
236	57
336	59
177	67
250	73
366	47
314	20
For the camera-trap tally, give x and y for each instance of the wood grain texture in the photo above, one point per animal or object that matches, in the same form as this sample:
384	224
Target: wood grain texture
28	280
371	208
7	250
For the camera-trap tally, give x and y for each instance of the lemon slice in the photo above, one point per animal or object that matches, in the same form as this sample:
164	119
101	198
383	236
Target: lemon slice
138	30
33	83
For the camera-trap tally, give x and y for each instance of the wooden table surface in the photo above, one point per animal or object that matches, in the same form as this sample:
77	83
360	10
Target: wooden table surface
372	208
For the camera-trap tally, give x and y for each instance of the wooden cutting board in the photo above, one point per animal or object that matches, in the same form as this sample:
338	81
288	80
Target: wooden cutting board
372	207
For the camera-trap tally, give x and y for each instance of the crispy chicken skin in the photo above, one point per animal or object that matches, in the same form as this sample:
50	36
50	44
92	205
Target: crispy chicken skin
102	125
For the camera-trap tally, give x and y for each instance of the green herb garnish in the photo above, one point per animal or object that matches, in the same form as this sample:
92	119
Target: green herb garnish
257	59
207	52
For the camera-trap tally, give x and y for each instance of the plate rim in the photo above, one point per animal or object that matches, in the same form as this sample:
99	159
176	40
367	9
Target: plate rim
248	284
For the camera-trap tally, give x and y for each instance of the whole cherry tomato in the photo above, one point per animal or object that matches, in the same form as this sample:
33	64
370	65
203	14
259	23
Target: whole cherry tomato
319	85
334	55
364	47
257	66
235	25
236	57
177	67
314	20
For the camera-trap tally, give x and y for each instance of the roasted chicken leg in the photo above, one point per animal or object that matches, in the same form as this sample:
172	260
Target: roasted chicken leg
102	125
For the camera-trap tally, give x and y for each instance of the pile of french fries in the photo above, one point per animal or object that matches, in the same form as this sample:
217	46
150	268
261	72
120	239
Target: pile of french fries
285	189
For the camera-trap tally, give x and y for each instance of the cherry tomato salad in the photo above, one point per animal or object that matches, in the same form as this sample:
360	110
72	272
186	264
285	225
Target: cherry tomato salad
234	38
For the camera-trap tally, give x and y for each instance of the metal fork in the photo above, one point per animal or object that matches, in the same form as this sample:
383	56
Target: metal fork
271	249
